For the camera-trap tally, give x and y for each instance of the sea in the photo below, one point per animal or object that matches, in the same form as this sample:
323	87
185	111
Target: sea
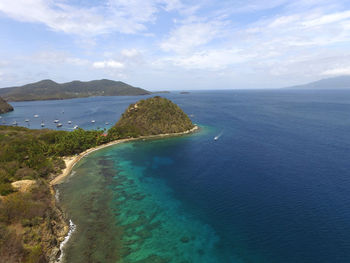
273	188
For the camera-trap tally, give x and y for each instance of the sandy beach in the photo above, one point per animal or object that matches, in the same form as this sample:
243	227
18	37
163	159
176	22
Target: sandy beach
70	161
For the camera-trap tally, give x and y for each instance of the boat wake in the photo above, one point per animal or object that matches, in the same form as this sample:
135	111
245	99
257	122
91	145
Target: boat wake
218	136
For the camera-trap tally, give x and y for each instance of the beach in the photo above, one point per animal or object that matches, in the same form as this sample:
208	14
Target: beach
70	161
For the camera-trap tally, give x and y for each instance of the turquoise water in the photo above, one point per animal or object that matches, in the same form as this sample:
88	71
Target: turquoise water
150	224
274	188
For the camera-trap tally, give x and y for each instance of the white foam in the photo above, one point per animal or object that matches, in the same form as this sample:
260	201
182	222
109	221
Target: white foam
72	228
57	195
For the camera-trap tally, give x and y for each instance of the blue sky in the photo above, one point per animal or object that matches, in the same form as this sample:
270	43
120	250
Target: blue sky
175	44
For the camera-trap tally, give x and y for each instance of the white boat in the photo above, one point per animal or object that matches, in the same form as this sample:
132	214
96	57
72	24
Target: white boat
42	124
93	121
59	125
75	127
36	116
69	122
26	120
107	123
56	121
216	138
14	123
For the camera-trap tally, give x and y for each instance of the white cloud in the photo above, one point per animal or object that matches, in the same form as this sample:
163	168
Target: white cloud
337	71
191	35
133	52
125	16
327	19
207	60
57	57
113	64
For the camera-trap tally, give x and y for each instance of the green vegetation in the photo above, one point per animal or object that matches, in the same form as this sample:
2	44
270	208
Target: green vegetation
33	154
26	218
50	90
150	117
4	106
29	221
26	225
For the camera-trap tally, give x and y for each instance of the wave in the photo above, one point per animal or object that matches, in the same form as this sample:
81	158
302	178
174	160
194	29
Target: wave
72	228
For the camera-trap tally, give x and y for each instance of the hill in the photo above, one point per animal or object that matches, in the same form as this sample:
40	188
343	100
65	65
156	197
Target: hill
341	82
4	106
50	90
152	116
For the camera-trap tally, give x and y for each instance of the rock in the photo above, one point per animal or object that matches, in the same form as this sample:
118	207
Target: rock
54	255
185	239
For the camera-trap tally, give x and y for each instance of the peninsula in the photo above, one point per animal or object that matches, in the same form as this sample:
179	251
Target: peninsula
51	90
4	106
32	226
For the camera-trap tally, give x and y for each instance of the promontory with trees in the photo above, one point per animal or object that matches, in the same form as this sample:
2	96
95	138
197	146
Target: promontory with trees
31	225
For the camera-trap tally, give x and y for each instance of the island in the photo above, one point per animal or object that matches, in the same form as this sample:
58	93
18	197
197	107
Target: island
4	106
32	162
51	90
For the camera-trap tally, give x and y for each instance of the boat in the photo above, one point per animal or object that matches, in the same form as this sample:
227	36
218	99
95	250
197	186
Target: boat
75	127
26	120
56	121
93	121
69	122
36	116
14	123
59	125
42	124
216	138
107	123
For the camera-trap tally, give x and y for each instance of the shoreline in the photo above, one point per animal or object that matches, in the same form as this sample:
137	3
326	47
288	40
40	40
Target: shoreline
71	161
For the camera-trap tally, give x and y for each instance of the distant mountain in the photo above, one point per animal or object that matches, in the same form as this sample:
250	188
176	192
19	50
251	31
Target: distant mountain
4	106
50	90
342	82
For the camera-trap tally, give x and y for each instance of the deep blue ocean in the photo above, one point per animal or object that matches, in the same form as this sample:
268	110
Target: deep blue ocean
274	188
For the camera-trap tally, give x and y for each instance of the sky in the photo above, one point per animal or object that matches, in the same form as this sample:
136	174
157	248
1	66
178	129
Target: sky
175	44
